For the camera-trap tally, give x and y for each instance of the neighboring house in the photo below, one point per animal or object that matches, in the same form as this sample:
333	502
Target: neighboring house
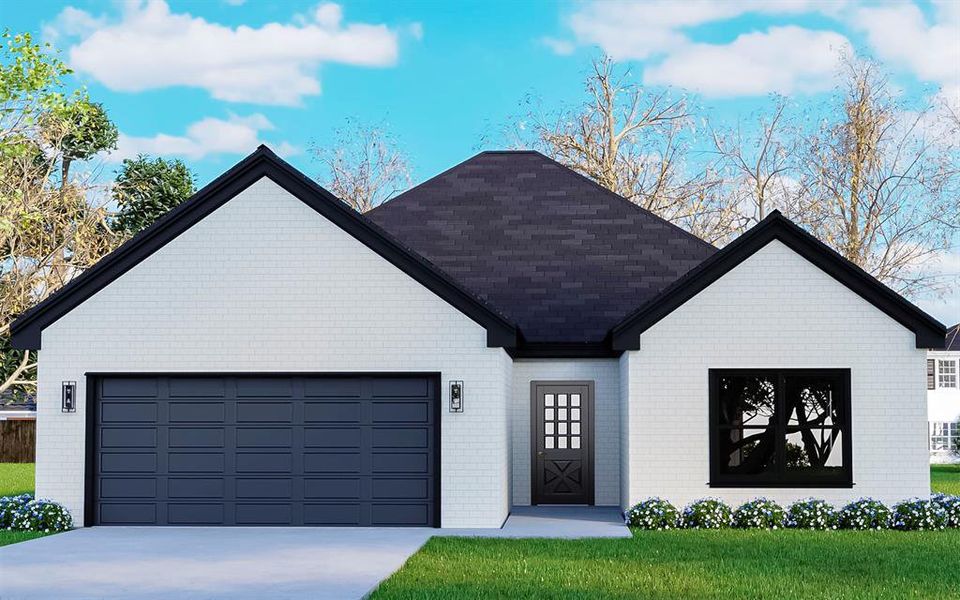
943	398
506	333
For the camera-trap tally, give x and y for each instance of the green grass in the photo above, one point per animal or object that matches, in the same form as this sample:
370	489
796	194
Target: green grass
686	564
16	478
692	564
12	537
945	478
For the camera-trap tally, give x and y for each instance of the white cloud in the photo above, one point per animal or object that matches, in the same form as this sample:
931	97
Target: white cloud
206	137
902	35
72	22
639	30
782	59
150	47
561	47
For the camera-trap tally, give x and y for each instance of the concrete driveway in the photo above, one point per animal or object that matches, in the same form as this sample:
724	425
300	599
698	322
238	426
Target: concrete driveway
197	562
239	563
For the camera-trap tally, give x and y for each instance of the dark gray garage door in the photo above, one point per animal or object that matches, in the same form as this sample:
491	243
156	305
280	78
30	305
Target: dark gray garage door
251	450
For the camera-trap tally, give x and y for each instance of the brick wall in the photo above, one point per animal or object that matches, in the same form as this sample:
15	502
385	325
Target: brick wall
267	284
775	310
605	373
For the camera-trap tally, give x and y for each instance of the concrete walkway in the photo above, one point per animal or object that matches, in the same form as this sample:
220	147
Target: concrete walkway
240	563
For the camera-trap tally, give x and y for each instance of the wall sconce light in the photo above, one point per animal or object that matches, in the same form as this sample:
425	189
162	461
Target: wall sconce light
456	396
69	397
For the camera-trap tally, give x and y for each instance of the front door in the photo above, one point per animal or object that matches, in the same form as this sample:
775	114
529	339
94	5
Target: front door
562	442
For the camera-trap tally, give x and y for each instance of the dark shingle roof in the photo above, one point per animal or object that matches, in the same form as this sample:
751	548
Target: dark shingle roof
557	254
953	338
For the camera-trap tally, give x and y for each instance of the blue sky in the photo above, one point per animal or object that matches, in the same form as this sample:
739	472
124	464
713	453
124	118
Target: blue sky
208	80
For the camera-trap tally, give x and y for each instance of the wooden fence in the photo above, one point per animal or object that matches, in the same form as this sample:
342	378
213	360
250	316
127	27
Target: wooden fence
18	441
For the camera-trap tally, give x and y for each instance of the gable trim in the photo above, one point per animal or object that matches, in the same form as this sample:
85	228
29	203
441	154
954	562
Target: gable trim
26	330
929	332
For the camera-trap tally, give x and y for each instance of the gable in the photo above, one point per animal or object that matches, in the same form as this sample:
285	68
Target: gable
26	331
929	333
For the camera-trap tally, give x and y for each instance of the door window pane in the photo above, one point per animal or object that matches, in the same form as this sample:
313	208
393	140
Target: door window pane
562	428
574	414
548	442
561	442
575	428
575	400
561	414
561	399
548	428
575	442
548	414
548	399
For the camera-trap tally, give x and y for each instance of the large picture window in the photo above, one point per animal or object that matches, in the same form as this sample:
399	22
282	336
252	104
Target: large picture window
780	428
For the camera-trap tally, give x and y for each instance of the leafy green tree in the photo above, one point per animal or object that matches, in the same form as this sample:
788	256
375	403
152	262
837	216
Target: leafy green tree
146	189
51	225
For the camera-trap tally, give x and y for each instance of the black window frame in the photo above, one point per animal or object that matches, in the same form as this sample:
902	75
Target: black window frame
780	478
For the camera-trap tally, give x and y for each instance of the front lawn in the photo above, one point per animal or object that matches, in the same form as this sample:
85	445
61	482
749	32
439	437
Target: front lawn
687	564
16	478
945	479
692	564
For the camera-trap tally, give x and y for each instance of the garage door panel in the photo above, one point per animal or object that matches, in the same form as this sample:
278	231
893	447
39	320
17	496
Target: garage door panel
129	387
264	387
261	450
398	514
133	462
263	437
401	437
264	462
128	412
331	437
401	412
127	487
264	514
264	412
196	462
196	437
197	387
332	489
195	514
128	437
332	412
331	462
195	487
197	412
128	514
400	462
396	387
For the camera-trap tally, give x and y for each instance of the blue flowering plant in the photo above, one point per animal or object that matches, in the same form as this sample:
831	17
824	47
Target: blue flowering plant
26	513
652	513
865	513
759	513
918	514
708	513
951	506
811	513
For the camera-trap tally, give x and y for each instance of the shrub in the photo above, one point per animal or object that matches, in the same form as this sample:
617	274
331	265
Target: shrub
951	506
918	514
9	508
708	513
759	513
26	513
865	513
652	513
811	513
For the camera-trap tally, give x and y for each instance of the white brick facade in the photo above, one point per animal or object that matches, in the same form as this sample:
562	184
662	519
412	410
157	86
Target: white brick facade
605	373
775	310
266	284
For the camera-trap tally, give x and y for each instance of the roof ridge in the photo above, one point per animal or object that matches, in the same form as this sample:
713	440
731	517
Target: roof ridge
636	206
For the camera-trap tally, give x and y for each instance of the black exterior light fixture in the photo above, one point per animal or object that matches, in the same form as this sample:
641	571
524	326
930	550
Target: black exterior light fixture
456	396
69	397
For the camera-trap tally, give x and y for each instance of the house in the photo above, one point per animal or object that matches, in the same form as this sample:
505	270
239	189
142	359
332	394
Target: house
503	334
943	398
